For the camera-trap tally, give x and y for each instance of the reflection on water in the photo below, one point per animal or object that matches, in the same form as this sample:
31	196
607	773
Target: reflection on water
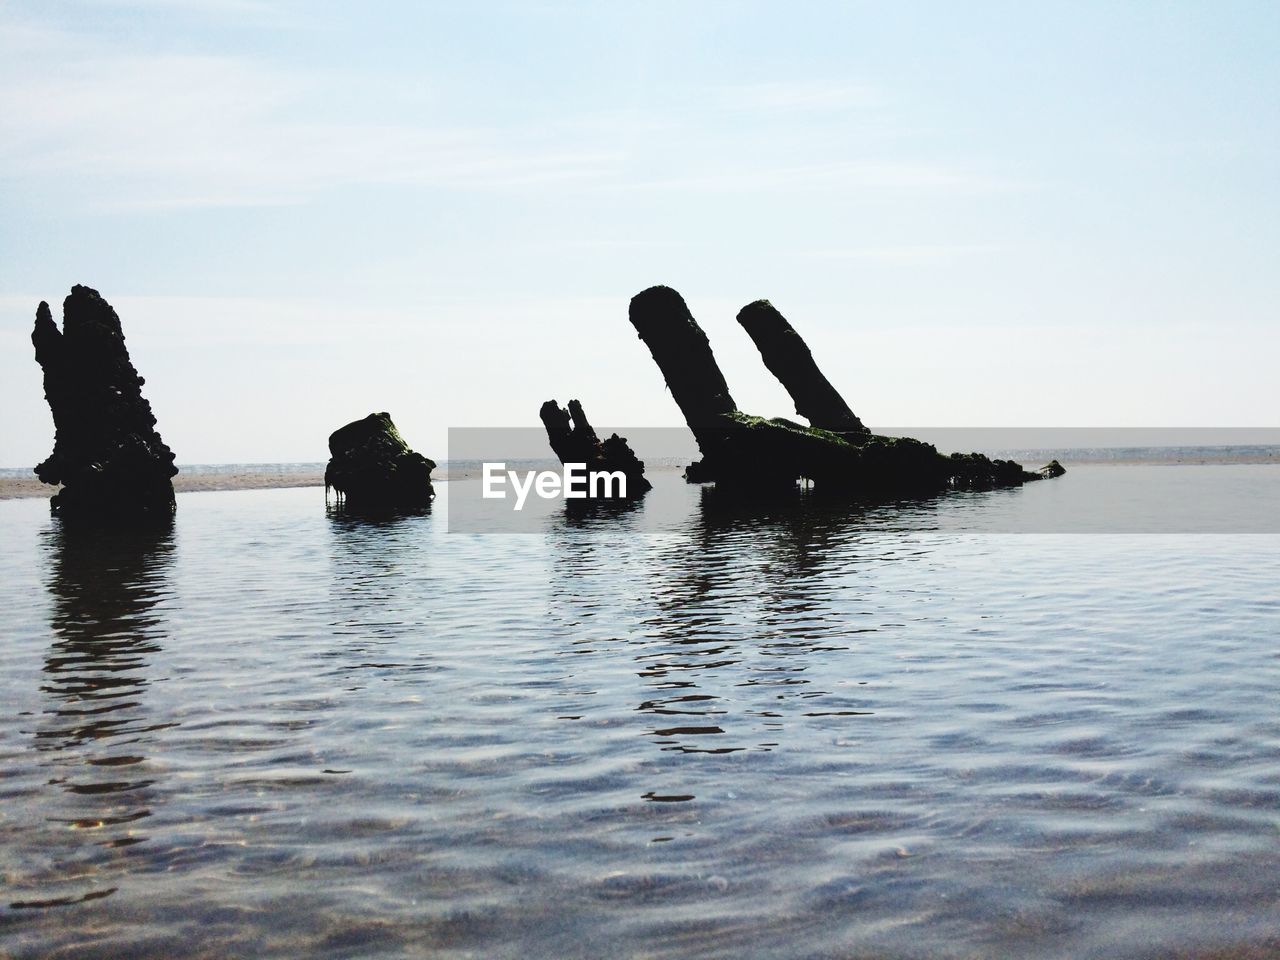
803	731
596	514
732	615
105	589
375	588
95	730
345	518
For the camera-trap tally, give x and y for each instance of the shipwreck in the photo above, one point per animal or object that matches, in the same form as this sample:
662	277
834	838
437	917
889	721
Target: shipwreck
835	452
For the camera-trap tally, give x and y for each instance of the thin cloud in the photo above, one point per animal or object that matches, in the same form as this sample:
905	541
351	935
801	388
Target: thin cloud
906	253
841	175
119	131
259	9
178	130
807	96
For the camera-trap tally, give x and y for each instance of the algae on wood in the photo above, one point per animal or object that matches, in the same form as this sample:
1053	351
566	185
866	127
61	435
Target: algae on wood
757	454
374	470
788	358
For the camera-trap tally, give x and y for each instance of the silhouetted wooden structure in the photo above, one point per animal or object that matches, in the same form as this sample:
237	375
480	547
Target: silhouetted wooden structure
373	470
835	451
574	440
107	455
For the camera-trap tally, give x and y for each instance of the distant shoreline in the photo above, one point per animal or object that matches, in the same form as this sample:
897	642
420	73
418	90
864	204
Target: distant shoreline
12	488
18	483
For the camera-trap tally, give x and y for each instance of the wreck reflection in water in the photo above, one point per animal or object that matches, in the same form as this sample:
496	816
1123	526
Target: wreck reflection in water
96	730
732	615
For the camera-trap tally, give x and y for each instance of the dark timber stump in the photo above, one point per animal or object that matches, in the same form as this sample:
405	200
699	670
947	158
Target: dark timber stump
107	455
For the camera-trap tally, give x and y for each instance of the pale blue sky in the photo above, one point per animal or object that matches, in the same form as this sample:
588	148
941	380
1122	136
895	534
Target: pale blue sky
977	214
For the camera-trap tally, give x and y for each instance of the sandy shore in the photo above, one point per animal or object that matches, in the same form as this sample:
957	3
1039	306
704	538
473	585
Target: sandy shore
198	480
185	482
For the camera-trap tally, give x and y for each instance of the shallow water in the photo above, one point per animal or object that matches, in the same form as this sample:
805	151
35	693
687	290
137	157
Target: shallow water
807	733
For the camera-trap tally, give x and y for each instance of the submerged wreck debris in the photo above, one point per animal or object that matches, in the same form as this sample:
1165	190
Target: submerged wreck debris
574	440
373	470
107	455
788	358
835	452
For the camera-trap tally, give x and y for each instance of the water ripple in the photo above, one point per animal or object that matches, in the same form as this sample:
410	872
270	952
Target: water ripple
804	732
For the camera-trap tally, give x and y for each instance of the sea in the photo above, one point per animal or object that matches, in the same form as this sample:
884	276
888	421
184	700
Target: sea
942	728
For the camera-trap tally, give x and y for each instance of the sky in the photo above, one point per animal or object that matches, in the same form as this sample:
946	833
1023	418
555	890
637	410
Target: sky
977	214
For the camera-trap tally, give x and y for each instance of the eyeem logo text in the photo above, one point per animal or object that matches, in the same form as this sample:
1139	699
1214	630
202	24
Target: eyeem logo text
574	482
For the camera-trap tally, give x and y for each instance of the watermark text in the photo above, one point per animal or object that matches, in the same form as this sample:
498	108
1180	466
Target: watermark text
573	482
